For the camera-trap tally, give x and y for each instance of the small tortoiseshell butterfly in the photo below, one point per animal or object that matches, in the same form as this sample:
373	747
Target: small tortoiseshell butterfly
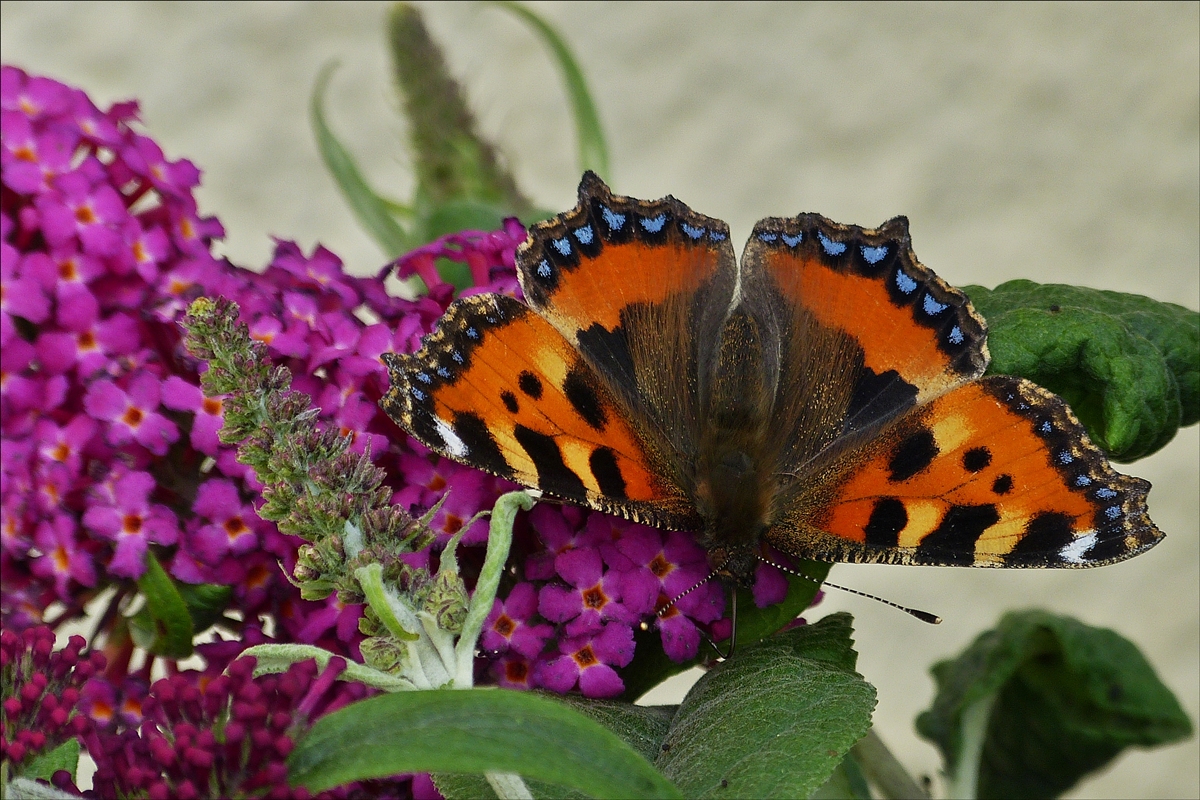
824	397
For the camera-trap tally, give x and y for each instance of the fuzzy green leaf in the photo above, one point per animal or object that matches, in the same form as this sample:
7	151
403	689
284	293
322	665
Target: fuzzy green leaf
43	767
163	625
1055	700
472	731
846	783
1129	366
593	152
641	727
372	212
651	666
775	720
206	602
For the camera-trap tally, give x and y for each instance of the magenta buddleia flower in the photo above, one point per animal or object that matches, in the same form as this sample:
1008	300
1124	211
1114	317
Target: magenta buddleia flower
588	661
228	736
132	413
508	626
122	512
488	254
39	706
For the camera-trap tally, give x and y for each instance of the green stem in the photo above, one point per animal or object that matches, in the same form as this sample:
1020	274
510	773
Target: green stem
883	770
499	542
387	608
964	780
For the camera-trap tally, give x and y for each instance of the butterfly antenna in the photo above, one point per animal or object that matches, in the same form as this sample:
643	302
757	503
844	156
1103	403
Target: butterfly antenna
924	616
732	636
683	594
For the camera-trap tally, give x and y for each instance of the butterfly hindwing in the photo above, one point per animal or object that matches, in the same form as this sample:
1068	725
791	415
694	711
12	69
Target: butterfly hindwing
497	388
996	473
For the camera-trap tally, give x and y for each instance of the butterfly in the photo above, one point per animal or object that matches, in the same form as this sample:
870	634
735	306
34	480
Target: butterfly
824	396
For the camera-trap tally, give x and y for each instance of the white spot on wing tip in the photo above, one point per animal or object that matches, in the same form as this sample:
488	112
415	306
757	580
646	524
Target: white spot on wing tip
455	445
1074	551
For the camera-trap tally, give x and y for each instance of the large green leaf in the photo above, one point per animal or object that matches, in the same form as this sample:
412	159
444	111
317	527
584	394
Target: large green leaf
43	767
163	625
641	727
651	666
1041	701
775	720
1129	366
473	731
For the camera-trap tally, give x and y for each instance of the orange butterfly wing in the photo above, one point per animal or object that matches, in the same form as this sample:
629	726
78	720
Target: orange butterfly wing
497	388
641	289
997	473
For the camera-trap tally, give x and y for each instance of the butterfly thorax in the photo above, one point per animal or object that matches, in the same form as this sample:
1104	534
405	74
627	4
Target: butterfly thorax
735	485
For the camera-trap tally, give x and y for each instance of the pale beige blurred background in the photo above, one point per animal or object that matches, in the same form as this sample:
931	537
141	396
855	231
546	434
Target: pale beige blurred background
1052	142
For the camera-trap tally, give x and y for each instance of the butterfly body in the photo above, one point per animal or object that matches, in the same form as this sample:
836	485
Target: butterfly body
824	397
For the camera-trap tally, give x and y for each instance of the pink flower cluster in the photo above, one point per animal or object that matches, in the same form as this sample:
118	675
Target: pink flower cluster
228	737
110	451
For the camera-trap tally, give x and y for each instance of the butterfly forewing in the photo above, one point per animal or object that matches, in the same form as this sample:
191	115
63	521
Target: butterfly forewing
498	388
641	288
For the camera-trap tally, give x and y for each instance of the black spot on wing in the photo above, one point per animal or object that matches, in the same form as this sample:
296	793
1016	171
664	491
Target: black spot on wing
554	476
1044	536
953	541
583	398
976	459
1003	484
912	455
603	463
510	401
888	518
530	384
481	447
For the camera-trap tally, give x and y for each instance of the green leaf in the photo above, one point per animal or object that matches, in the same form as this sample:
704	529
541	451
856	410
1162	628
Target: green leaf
593	152
641	727
1053	699
651	666
1129	366
847	782
372	212
163	625
773	721
65	756
473	731
275	658
452	161
206	602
